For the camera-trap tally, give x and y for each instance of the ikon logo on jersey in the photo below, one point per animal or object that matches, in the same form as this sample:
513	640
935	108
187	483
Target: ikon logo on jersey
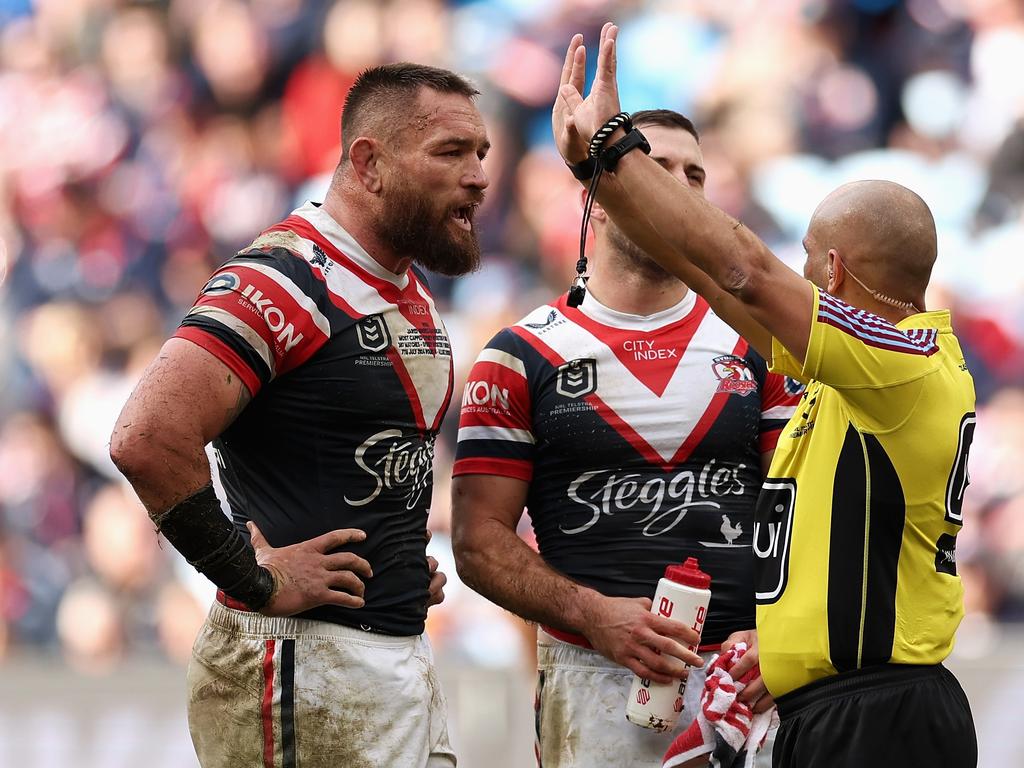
773	531
485	393
225	282
577	378
734	375
372	334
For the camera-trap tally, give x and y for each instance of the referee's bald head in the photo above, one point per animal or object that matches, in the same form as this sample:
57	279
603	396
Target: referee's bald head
881	229
383	99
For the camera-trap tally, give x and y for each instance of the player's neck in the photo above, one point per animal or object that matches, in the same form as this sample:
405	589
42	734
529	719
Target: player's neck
626	290
352	220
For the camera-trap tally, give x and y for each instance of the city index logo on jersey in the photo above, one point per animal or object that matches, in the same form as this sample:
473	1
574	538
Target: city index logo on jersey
643	349
734	375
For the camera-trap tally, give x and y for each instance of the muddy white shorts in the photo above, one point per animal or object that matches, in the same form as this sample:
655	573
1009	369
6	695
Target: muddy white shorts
293	693
581	711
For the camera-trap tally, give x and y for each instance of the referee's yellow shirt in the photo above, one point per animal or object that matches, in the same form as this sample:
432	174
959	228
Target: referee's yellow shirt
855	535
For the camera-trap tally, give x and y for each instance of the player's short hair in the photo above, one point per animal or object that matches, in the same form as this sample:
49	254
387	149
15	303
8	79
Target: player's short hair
382	96
666	118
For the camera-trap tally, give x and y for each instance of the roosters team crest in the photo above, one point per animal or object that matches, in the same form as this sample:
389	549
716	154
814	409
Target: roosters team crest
734	375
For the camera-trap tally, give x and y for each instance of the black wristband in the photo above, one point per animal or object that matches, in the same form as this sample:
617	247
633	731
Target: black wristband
621	120
584	170
633	139
212	544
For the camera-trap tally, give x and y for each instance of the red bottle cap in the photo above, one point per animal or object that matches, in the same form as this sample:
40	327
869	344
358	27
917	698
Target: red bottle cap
689	573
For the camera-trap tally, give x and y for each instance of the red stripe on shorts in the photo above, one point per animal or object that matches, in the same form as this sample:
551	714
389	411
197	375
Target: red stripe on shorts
268	706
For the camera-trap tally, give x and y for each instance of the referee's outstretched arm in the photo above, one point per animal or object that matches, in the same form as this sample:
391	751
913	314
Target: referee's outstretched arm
883	229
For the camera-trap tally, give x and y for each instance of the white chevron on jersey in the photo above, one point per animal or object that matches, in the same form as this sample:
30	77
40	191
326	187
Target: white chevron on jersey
663	423
351	290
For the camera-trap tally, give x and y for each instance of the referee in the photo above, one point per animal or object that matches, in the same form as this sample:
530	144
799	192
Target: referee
855	536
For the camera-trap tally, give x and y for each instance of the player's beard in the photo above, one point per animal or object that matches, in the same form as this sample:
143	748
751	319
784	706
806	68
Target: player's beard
413	227
635	258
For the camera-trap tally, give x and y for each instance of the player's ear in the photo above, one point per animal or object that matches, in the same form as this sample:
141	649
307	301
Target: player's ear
364	154
597	213
836	271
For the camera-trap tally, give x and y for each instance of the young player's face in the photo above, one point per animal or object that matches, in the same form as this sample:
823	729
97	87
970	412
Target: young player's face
675	150
438	184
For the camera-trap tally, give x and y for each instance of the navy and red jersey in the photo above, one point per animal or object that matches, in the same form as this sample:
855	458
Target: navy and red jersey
641	438
350	370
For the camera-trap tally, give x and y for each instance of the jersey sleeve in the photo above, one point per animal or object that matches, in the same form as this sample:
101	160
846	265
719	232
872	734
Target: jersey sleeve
780	396
261	314
496	420
867	359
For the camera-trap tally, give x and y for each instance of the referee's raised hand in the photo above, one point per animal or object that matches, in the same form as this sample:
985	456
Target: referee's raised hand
311	573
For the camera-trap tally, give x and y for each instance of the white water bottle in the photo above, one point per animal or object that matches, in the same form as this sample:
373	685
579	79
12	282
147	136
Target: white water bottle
683	595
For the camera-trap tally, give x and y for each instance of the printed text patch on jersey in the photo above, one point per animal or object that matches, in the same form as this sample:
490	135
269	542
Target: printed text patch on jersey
372	333
577	378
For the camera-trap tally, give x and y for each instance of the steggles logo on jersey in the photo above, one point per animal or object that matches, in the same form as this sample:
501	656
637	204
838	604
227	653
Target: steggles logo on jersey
225	282
392	461
577	378
607	492
734	375
372	334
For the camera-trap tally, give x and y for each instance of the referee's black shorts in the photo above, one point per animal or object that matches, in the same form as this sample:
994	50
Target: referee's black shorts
890	716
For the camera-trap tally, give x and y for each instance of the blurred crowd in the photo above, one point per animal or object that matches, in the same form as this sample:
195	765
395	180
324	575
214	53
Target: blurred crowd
142	143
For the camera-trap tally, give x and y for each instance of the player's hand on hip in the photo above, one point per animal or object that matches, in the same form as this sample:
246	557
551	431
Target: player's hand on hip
437	582
574	120
624	630
311	573
755	695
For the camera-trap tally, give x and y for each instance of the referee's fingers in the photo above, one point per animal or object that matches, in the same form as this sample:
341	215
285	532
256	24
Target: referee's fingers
336	538
347	561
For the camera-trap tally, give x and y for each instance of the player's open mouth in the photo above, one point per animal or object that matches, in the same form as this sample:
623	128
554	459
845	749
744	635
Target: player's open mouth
463	217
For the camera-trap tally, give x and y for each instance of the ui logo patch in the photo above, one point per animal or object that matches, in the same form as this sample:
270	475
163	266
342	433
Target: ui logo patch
734	375
577	378
225	282
773	531
372	333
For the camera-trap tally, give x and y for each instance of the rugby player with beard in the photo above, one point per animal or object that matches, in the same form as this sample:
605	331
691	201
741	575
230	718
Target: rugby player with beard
636	429
317	364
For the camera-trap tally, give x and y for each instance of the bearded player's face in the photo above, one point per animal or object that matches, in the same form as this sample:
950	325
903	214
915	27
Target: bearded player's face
437	184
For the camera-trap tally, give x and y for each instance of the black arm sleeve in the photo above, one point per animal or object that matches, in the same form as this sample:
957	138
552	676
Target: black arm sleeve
198	529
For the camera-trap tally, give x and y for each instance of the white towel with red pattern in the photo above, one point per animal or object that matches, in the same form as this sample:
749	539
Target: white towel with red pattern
725	727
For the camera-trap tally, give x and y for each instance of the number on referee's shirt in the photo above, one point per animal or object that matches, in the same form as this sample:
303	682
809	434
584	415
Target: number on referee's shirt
960	476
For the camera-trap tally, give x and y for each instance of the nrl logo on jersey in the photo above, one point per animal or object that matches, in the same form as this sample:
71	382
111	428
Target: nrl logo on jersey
372	333
734	375
577	378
